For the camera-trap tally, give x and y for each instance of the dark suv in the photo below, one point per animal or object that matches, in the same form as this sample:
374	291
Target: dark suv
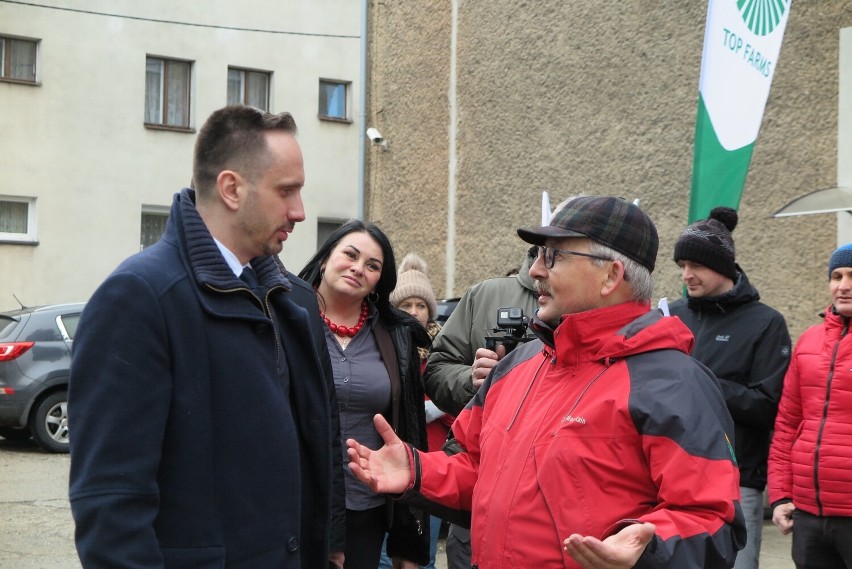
35	358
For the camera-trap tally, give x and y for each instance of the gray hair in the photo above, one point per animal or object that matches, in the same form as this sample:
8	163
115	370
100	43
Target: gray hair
637	276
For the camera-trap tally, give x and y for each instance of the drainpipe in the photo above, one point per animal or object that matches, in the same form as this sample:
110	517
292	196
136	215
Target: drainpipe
362	114
452	181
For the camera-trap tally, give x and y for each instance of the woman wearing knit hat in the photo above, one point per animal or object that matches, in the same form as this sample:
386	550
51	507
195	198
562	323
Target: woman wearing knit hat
414	294
746	345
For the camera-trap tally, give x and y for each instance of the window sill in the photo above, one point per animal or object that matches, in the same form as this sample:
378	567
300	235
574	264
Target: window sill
186	129
334	119
17	241
20	82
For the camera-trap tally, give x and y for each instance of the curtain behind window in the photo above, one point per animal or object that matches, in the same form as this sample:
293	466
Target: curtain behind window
178	94
235	87
23	60
258	90
13	217
154	91
332	100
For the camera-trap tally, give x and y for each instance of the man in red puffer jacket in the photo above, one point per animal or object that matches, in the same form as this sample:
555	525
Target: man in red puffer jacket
810	460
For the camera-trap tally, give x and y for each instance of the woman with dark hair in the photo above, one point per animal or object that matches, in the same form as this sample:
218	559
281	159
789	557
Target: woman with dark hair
374	355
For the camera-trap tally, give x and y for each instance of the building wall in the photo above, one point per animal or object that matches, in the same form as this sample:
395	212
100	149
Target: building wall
77	141
573	97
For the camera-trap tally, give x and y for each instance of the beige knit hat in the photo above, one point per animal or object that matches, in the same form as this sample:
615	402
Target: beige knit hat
412	281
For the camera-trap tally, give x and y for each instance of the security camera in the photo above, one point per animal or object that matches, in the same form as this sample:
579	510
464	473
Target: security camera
375	136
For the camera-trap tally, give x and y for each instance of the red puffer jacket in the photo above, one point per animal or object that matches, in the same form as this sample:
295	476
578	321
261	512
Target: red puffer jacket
810	460
606	422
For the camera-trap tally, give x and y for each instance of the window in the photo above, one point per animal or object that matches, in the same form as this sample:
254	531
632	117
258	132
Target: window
153	225
67	324
248	88
325	229
18	219
167	84
332	100
18	59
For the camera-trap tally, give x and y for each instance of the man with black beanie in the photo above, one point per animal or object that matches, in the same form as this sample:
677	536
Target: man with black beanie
744	342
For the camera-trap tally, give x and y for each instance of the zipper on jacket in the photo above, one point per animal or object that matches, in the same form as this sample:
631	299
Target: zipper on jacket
529	387
825	412
264	306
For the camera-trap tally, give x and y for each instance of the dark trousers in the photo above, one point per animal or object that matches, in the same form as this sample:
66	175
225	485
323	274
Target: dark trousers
458	547
822	542
365	533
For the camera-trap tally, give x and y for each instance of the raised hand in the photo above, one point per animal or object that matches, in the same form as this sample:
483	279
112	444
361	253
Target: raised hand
386	470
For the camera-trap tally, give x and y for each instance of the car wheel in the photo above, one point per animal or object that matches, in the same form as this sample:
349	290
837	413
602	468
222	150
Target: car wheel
13	434
49	423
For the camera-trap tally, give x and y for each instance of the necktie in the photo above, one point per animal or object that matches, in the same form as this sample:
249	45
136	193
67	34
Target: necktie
248	277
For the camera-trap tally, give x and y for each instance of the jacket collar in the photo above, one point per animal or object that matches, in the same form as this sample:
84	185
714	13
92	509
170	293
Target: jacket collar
203	257
834	319
742	293
613	332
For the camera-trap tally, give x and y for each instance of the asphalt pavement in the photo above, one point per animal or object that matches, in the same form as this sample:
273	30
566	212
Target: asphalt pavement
37	531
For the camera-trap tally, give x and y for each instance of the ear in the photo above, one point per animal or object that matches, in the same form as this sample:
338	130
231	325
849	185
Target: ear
229	187
612	278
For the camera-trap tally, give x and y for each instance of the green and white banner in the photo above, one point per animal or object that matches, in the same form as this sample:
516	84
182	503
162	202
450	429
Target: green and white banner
742	40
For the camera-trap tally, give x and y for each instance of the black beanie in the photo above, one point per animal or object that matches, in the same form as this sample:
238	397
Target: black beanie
708	242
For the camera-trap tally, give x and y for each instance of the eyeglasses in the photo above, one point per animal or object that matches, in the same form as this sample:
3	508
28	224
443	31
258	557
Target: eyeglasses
549	254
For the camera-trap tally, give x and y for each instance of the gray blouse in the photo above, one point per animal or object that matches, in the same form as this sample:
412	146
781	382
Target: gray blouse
363	389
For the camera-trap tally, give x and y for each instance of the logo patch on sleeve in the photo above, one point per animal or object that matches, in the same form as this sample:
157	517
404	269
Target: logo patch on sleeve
731	449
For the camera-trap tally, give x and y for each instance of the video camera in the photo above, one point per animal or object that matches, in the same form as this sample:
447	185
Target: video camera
512	324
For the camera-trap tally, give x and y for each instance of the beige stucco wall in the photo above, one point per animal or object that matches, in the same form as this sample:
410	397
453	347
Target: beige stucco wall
590	97
77	141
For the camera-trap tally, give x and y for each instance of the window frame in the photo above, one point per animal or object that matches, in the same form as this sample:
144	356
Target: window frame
244	74
164	99
6	55
31	236
346	101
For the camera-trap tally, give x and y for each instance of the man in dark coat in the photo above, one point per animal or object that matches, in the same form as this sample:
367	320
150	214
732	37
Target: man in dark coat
744	342
205	421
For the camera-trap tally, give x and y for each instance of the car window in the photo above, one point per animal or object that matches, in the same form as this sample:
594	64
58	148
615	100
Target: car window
7	324
69	321
445	308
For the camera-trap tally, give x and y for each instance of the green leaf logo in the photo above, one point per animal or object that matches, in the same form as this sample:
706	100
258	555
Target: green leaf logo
761	16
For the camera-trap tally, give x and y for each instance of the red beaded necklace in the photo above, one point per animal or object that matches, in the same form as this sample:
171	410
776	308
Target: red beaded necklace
346	330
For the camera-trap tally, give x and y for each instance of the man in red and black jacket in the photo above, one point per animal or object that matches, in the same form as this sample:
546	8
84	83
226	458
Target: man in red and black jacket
601	444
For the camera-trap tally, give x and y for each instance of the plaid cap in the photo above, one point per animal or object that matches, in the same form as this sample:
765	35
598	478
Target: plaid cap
611	221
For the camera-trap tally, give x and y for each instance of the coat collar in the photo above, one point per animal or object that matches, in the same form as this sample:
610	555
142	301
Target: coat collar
202	255
613	332
742	293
